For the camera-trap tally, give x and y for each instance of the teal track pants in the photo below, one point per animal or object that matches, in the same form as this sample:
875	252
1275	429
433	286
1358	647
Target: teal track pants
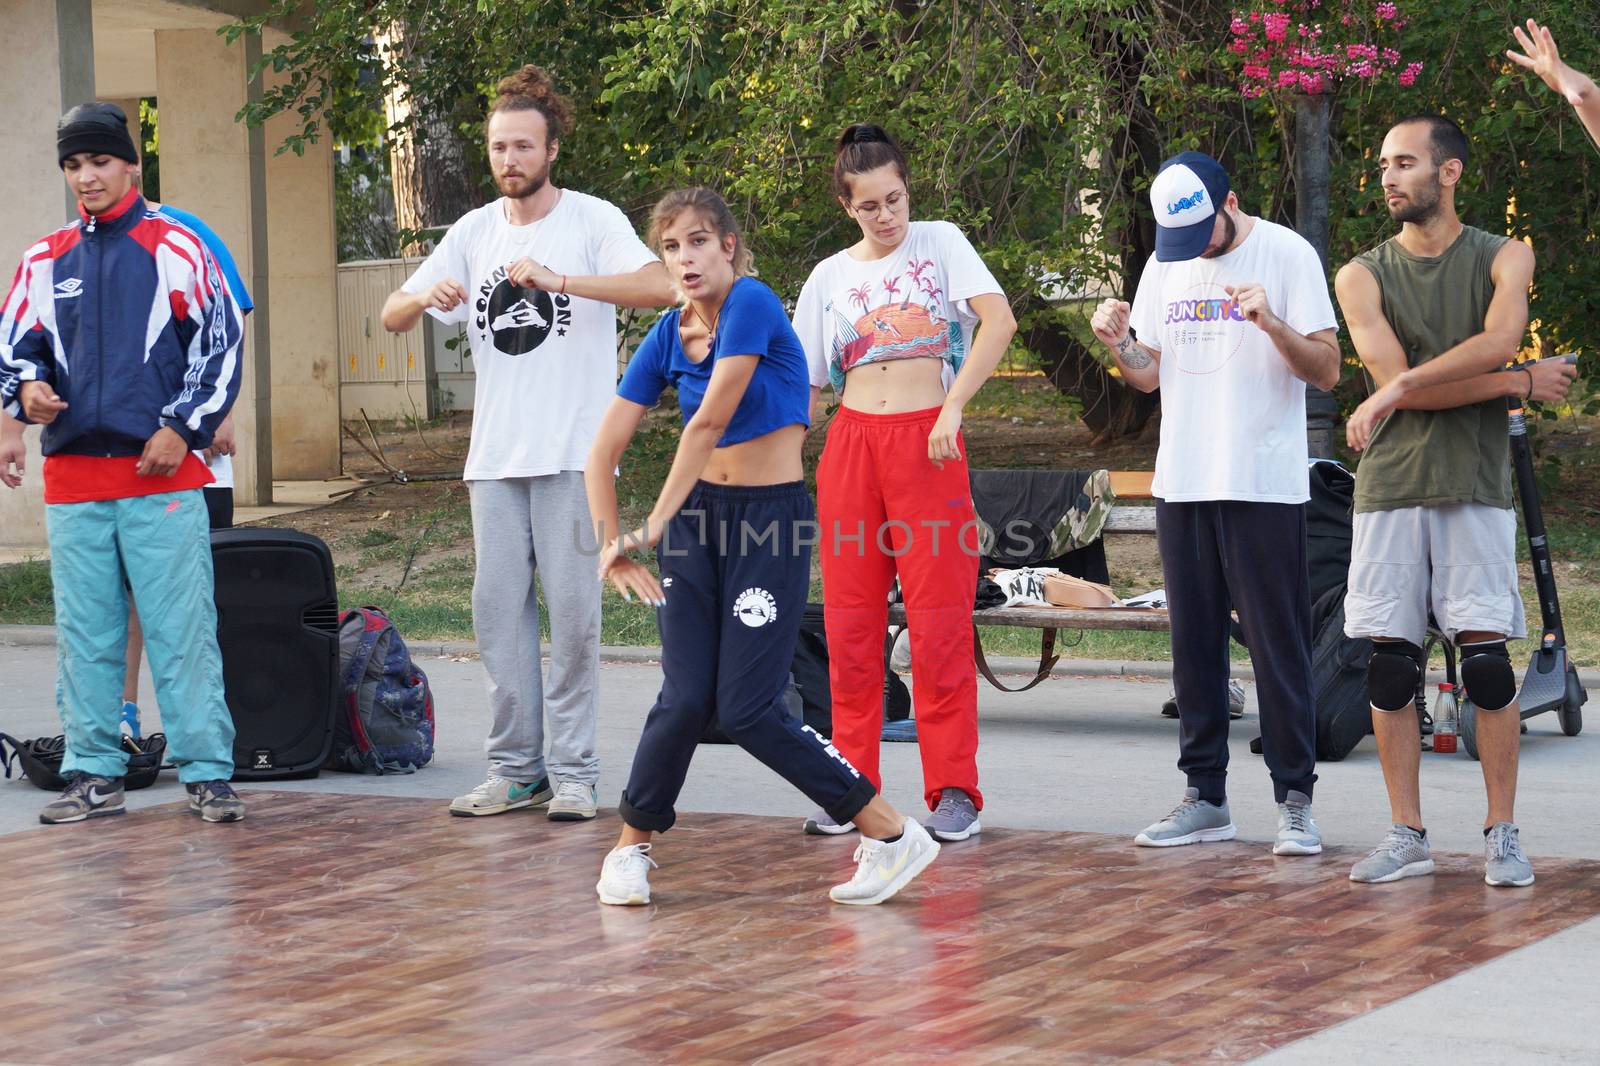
161	545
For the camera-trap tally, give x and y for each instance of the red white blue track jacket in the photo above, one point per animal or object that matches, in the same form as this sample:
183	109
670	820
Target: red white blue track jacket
127	317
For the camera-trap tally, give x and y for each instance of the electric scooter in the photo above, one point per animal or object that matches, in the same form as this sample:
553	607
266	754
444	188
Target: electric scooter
1551	682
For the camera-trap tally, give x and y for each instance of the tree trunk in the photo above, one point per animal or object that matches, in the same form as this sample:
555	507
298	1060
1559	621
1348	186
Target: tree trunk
1311	220
433	185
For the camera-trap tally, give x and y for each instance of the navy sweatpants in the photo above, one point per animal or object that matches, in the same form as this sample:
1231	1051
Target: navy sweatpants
1225	555
735	570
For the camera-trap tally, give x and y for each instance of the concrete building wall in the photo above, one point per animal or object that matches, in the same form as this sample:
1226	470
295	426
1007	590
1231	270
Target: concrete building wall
49	67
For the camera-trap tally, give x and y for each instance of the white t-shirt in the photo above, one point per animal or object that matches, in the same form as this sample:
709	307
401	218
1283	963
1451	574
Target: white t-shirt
546	363
913	303
221	467
1233	416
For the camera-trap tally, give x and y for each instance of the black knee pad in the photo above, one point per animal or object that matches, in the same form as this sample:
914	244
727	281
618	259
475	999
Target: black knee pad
1487	673
1393	673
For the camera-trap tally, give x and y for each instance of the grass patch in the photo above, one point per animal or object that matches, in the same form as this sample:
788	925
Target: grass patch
26	594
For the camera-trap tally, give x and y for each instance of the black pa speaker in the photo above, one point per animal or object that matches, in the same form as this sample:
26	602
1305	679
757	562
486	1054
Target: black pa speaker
278	625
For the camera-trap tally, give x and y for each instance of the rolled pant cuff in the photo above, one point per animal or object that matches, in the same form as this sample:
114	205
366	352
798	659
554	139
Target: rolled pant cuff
645	821
853	803
1210	785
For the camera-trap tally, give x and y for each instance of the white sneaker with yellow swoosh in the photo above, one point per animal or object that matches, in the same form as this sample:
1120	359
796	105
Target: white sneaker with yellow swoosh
884	868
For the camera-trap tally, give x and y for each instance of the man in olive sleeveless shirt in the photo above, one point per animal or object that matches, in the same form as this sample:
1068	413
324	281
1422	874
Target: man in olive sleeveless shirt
1435	313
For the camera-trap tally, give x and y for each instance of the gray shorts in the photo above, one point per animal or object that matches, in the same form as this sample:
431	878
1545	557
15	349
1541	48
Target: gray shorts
1459	559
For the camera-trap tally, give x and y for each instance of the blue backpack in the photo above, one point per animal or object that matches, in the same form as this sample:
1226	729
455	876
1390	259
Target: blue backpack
387	724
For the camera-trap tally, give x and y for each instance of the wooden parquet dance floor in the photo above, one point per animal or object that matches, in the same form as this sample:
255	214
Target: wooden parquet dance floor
373	930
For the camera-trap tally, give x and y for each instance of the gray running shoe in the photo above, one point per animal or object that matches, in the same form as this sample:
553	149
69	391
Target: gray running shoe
1297	830
215	801
1504	864
1194	821
821	825
956	817
1403	853
1169	708
88	796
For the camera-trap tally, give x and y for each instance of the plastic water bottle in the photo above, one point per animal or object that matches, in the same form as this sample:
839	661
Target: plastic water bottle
1444	719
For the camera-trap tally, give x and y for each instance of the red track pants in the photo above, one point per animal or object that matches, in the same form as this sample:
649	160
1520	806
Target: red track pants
884	508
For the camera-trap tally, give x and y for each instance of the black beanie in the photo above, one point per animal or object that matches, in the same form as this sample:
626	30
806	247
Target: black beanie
96	127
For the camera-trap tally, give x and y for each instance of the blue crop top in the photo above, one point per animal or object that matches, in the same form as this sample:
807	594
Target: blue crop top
752	322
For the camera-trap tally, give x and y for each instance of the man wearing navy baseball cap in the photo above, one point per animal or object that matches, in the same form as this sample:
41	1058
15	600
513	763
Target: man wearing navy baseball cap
1231	319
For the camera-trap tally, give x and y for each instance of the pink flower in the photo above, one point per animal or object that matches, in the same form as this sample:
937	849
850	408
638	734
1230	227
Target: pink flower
1408	78
1287	79
1239	47
1311	83
1386	10
1238	26
1390	56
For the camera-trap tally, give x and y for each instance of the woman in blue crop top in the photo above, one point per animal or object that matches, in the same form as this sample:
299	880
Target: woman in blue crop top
733	528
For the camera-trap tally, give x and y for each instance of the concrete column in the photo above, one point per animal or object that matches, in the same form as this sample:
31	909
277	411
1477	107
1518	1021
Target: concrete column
301	260
215	167
130	107
49	67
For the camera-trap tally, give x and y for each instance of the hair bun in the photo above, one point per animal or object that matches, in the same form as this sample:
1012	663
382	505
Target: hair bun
530	80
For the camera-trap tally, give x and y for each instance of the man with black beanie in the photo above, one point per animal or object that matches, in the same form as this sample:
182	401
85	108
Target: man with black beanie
120	337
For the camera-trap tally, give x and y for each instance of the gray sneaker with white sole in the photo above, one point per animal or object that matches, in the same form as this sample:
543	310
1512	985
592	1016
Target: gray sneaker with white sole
1504	863
1297	830
1403	853
955	818
1194	821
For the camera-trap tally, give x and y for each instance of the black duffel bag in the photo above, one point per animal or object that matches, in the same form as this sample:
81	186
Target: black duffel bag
40	760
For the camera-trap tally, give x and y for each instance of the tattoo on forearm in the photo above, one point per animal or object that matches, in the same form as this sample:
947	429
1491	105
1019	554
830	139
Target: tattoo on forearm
1133	357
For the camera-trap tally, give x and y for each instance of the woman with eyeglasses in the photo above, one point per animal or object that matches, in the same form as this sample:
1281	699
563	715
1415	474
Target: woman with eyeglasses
907	324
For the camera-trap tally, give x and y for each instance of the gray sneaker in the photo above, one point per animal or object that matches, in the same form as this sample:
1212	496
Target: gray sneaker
1403	853
1504	864
88	796
956	817
1169	708
1297	830
1194	821
574	802
215	801
822	825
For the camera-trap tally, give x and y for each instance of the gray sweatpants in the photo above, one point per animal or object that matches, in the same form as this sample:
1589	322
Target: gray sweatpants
519	524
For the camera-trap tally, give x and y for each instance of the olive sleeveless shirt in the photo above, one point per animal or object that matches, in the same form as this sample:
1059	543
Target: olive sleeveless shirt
1430	458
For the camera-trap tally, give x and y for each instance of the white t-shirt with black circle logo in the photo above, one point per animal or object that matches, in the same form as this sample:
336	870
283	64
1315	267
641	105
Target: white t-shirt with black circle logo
1233	416
546	362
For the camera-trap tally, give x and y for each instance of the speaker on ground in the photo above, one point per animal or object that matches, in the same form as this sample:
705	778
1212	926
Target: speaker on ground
278	625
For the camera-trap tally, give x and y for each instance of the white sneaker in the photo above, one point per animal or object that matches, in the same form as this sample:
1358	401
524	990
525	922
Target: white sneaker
883	868
574	802
497	795
625	876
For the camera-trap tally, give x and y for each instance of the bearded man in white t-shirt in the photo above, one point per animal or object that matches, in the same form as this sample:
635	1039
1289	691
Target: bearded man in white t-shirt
535	277
1230	321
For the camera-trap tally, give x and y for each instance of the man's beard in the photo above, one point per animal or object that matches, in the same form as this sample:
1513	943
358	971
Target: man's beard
1230	230
1420	208
522	186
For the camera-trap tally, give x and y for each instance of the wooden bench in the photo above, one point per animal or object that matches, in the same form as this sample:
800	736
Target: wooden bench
1126	485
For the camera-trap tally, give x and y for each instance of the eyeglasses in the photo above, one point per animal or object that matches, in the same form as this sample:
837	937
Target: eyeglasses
894	202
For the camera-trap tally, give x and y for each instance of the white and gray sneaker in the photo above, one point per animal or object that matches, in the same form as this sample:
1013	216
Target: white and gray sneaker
1169	707
1297	830
884	868
1403	853
1504	863
822	824
955	818
1194	821
87	796
574	802
625	876
498	795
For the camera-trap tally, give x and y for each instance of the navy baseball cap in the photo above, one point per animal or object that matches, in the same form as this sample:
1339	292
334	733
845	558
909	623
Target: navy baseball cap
1189	190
